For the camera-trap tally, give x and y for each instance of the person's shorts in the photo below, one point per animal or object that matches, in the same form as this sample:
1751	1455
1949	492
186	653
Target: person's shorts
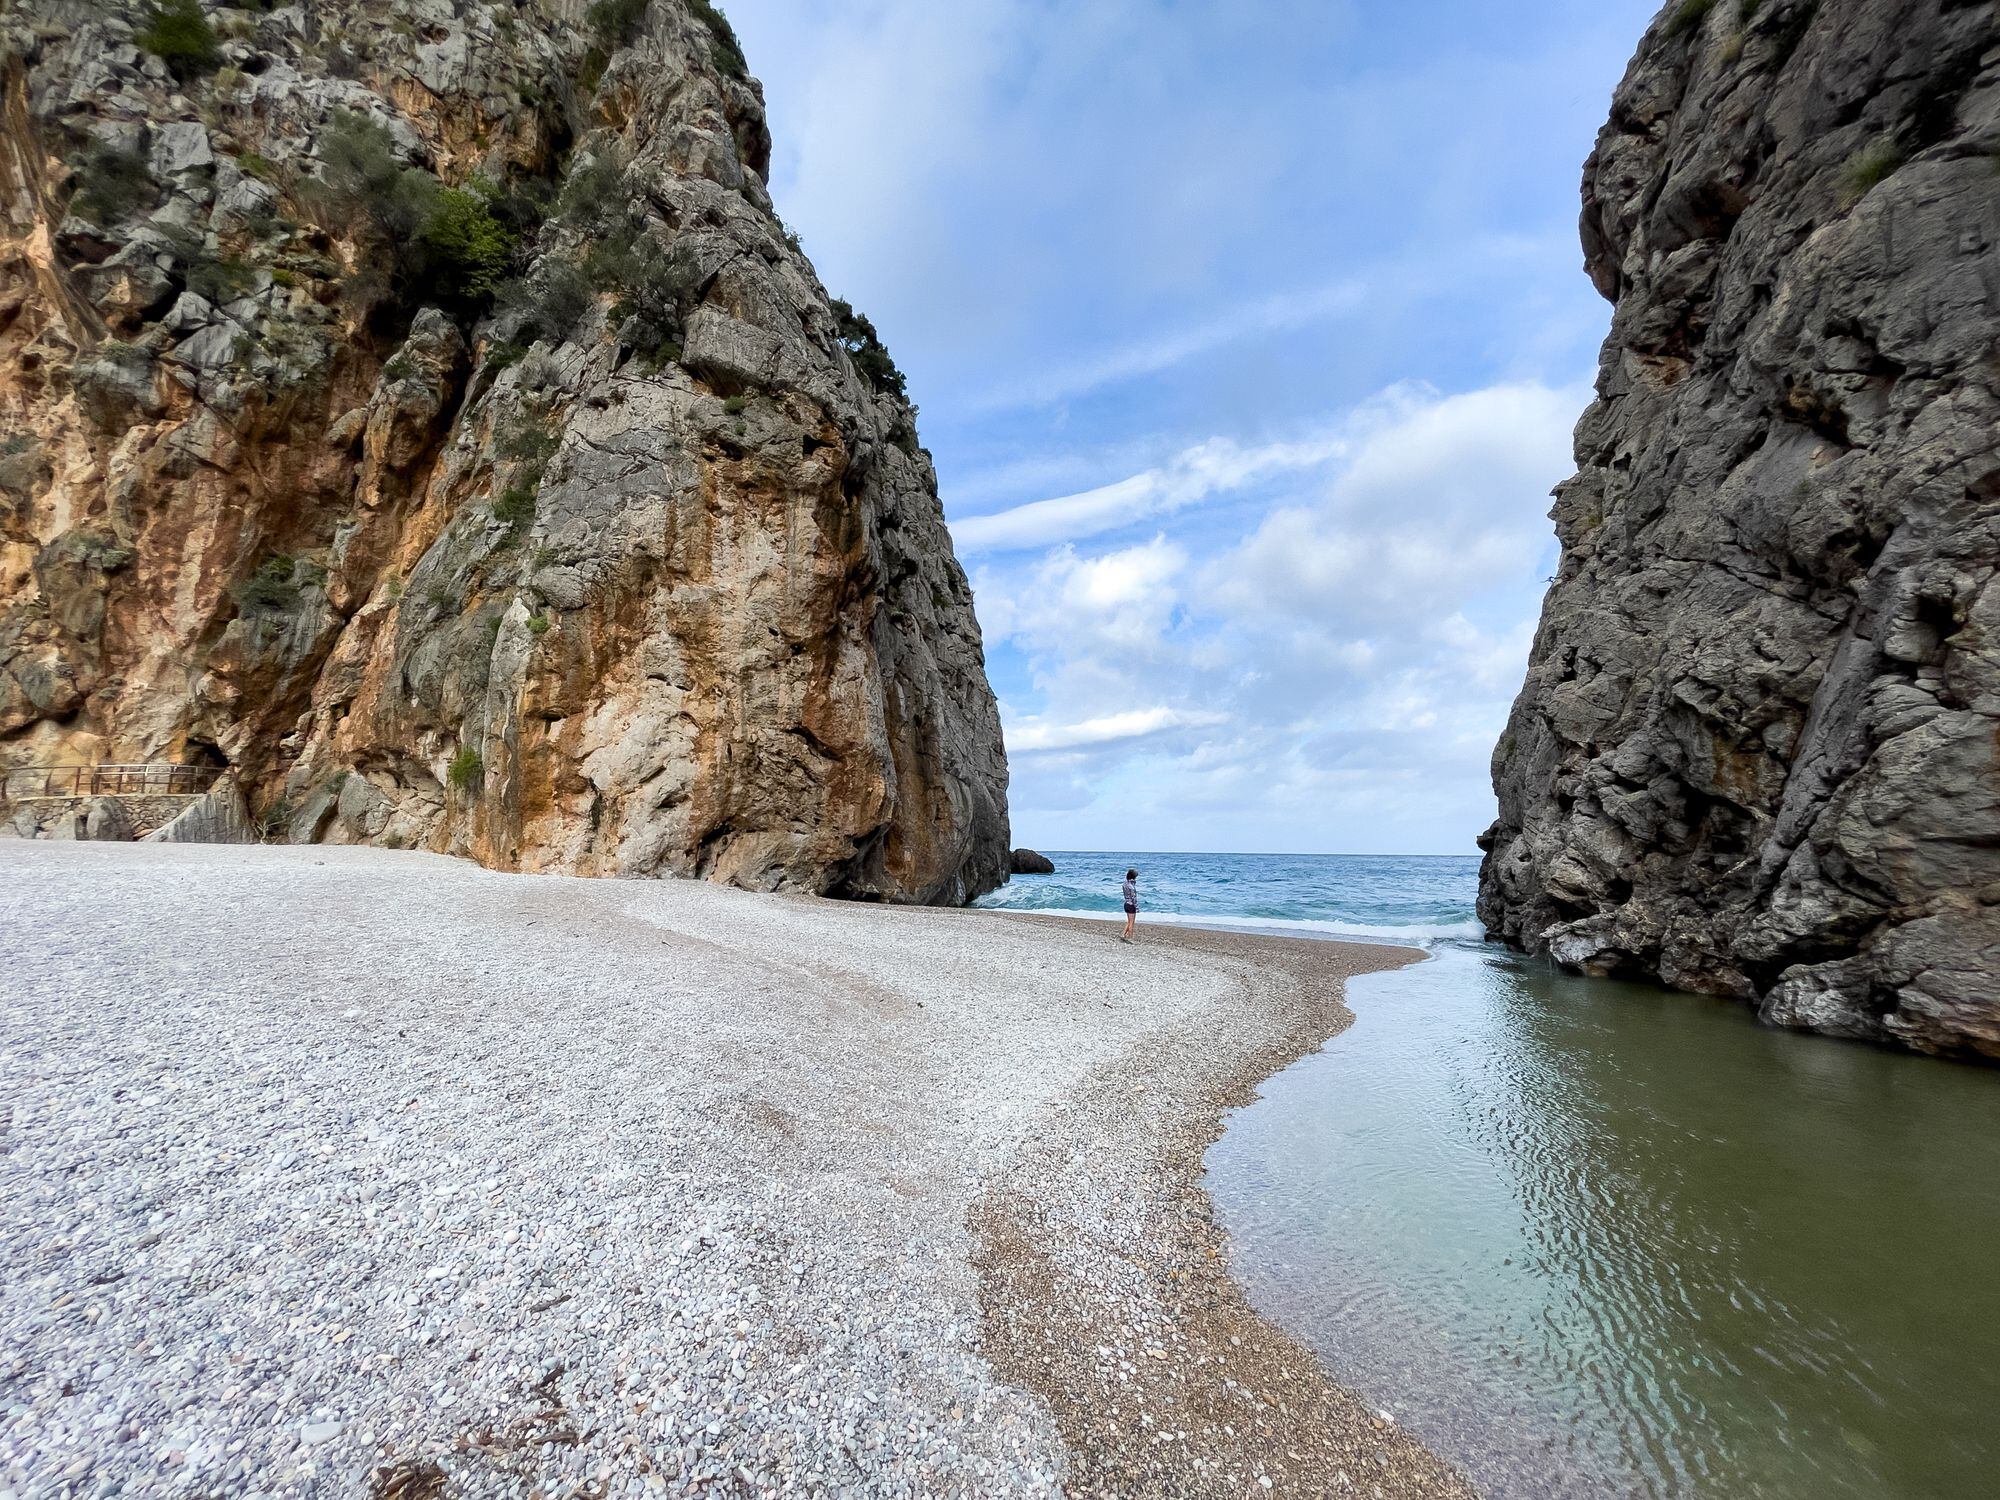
1131	911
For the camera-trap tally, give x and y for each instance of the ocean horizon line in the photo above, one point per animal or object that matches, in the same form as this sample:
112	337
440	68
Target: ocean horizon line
1237	853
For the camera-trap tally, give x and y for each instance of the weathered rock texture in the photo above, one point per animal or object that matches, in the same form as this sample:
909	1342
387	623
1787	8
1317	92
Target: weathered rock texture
420	409
217	816
1755	754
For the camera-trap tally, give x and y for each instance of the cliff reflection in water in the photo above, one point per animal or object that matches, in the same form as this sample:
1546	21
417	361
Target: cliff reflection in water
1591	1238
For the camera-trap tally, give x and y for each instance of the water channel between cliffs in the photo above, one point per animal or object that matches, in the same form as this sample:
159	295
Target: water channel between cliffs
1595	1239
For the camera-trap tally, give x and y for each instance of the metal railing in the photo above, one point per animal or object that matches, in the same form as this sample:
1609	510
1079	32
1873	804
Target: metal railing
36	783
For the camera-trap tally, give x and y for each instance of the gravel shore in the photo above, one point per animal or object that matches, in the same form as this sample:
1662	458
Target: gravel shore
344	1171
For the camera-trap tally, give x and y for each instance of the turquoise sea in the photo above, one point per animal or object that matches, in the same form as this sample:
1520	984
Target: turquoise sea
1594	1239
1402	898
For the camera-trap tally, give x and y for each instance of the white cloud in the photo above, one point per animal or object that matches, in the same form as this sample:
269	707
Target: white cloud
1069	223
1352	655
1441	499
1148	356
1101	607
1030	736
1215	467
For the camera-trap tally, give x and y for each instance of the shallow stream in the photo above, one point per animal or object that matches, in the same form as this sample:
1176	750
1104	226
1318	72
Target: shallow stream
1596	1239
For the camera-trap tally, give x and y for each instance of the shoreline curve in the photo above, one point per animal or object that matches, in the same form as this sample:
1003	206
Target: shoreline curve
348	1170
1104	1274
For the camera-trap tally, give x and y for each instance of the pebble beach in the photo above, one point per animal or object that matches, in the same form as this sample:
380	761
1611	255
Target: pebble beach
340	1171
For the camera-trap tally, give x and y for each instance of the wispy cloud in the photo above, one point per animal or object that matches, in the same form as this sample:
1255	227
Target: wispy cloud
1358	643
1190	477
1032	736
1442	499
1274	314
1096	236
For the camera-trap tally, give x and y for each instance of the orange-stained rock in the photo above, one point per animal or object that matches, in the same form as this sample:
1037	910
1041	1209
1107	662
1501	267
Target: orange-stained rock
636	569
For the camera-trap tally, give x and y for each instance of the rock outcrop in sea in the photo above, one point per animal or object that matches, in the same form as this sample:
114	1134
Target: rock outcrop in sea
1756	751
422	410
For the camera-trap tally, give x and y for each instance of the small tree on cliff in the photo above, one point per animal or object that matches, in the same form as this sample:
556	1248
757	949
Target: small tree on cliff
443	245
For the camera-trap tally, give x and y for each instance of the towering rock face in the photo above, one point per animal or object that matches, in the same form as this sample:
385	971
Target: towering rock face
420	408
1756	751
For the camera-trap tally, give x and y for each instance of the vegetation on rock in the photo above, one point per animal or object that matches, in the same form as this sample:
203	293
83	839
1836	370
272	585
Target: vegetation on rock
1688	16
724	50
277	586
179	35
287	309
446	246
111	185
549	304
1869	167
858	337
614	22
467	249
515	509
653	287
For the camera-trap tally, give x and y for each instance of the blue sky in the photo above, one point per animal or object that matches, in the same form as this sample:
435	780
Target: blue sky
1248	337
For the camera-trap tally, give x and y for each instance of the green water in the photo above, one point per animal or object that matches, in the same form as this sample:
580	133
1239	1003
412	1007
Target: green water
1595	1239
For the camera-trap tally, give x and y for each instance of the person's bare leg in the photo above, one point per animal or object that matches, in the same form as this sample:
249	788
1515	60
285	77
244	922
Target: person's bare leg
1131	921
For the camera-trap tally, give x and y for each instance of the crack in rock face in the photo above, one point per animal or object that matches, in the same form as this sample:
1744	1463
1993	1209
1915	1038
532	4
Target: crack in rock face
1756	751
424	413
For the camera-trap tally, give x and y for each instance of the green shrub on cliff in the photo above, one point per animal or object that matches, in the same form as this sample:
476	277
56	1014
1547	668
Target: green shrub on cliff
446	245
255	164
88	547
531	437
614	22
219	278
1868	167
654	287
179	35
466	769
515	509
549	303
277	586
466	248
566	296
724	50
111	185
361	173
1688	16
858	337
593	193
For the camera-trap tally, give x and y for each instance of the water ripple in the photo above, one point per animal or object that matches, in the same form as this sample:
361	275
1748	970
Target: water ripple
1596	1239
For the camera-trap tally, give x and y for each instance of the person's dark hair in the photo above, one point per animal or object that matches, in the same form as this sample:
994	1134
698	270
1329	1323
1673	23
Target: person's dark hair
1131	874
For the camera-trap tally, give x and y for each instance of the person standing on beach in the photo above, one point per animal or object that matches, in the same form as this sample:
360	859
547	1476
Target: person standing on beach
1131	905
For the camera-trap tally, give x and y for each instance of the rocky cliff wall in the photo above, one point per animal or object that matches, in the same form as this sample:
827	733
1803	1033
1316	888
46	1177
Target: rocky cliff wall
1756	751
420	408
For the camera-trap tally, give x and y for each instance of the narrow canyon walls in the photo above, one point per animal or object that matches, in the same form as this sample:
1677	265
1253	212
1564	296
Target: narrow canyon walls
422	410
1755	754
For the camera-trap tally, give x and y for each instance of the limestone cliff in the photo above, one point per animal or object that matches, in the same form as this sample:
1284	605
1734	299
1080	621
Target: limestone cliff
1756	751
420	408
